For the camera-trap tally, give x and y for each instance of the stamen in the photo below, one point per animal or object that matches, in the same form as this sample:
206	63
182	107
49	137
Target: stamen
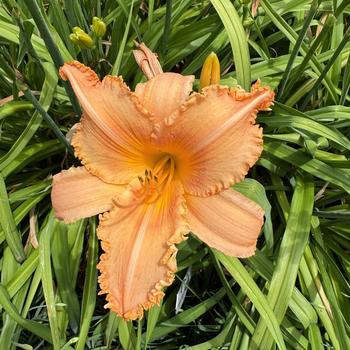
153	184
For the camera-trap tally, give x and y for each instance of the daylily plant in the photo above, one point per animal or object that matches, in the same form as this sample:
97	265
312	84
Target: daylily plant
158	163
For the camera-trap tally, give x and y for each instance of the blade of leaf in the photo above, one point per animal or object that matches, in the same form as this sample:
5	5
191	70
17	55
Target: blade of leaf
237	37
248	285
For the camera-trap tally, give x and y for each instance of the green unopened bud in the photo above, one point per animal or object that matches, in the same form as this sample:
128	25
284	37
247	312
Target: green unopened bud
261	11
248	22
82	39
98	27
74	38
210	73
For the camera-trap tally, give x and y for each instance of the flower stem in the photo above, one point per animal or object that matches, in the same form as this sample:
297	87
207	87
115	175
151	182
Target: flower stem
169	5
29	95
52	48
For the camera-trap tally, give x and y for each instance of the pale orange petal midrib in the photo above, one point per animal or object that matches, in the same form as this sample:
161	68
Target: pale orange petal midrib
228	236
135	252
214	135
123	150
125	135
132	284
89	110
198	157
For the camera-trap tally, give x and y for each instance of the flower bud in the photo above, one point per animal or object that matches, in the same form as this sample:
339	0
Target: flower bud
98	27
82	39
210	73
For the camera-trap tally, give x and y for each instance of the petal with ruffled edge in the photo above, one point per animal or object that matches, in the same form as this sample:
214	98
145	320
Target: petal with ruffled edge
165	93
77	194
213	138
229	222
115	130
140	253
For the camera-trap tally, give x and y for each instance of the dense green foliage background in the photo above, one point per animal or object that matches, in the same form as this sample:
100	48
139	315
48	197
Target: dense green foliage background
295	291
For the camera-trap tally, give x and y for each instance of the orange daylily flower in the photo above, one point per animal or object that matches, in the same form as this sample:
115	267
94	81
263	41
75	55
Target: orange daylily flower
158	163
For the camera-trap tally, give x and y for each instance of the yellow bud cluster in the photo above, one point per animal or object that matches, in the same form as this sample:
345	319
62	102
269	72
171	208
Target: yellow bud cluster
82	39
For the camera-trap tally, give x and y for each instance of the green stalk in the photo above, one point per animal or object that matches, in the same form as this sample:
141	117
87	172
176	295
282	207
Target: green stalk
327	68
150	12
52	48
118	61
296	48
167	25
29	95
341	7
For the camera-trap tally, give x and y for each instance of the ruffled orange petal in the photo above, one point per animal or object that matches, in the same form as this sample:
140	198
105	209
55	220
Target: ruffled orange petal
214	137
229	222
165	93
77	194
140	253
115	130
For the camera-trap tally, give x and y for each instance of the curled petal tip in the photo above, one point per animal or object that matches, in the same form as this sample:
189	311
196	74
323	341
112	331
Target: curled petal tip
147	61
77	73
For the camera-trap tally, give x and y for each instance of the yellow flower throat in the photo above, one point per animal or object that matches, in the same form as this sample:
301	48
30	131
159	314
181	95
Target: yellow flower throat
148	188
156	181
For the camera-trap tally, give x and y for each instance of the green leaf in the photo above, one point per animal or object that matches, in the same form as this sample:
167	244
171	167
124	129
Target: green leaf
308	164
248	285
291	250
34	123
307	124
187	316
47	282
7	222
237	37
